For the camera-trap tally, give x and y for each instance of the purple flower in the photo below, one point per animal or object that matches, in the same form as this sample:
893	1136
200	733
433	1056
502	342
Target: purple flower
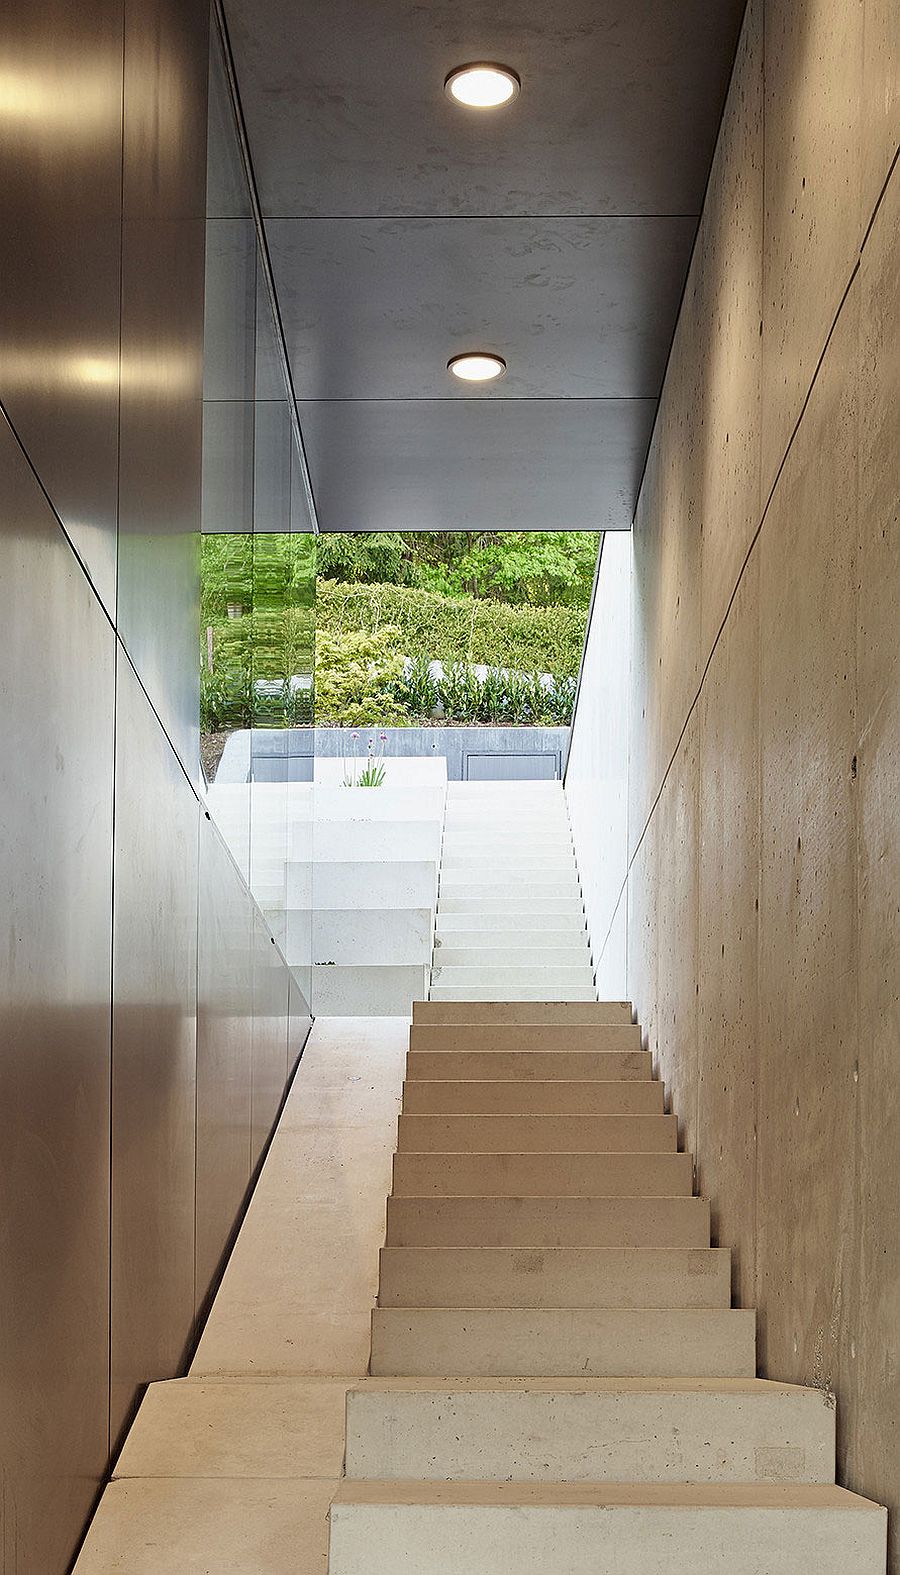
383	737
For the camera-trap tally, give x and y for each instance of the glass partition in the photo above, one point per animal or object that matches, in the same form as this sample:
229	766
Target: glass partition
258	561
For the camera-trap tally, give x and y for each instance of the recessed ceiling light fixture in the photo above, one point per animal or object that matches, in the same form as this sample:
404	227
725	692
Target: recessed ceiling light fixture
482	84
477	366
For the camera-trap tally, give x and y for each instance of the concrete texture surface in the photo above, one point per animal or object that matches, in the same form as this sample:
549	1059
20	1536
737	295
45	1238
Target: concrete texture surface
464	1528
764	747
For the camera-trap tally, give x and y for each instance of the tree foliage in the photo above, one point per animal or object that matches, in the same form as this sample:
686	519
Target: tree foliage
535	568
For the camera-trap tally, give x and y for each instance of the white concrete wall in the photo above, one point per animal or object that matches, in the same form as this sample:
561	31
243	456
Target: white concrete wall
596	781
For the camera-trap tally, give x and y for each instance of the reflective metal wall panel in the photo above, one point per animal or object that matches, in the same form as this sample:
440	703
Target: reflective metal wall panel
56	715
270	1036
60	194
164	196
154	1052
224	1051
121	1171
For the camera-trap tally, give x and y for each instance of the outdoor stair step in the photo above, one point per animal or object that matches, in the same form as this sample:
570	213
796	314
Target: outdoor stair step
507	866
496	928
488	903
522	956
484	881
554	978
505	940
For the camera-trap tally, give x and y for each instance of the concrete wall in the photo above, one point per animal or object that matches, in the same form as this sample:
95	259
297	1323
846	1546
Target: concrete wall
764	742
472	753
596	779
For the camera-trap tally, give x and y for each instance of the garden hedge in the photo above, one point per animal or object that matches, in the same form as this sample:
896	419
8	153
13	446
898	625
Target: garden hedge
457	629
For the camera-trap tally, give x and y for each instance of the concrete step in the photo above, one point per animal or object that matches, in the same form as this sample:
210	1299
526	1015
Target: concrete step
462	992
547	1222
488	885
525	1036
637	1277
510	1528
613	1430
528	1133
529	908
521	956
539	1097
527	820
507	851
514	863
543	1175
619	1012
503	839
530	1065
548	787
520	830
553	980
573	1342
569	934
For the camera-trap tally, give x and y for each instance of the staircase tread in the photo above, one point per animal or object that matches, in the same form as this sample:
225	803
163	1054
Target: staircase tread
711	1495
560	1252
562	1385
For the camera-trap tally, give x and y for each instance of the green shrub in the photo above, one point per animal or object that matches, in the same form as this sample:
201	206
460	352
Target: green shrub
458	629
359	678
362	633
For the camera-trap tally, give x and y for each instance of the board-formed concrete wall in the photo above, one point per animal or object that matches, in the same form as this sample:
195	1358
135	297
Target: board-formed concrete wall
763	892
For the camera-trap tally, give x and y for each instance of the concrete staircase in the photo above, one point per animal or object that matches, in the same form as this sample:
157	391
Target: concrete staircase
510	918
559	1381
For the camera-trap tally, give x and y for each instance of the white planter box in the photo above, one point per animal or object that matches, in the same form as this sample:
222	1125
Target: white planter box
399	770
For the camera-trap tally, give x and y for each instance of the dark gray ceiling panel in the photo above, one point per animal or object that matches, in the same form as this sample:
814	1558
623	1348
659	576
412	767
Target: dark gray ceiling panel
476	465
405	229
618	111
583	308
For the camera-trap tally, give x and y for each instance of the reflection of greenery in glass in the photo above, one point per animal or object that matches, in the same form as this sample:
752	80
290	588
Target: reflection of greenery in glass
257	602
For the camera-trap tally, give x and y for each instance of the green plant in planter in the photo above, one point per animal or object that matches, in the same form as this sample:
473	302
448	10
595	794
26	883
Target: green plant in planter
371	776
372	773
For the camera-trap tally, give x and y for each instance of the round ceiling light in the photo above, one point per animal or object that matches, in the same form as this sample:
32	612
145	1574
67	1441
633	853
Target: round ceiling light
477	366
482	85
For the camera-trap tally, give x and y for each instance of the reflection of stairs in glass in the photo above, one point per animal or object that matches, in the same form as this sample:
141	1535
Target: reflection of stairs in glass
510	917
559	1380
